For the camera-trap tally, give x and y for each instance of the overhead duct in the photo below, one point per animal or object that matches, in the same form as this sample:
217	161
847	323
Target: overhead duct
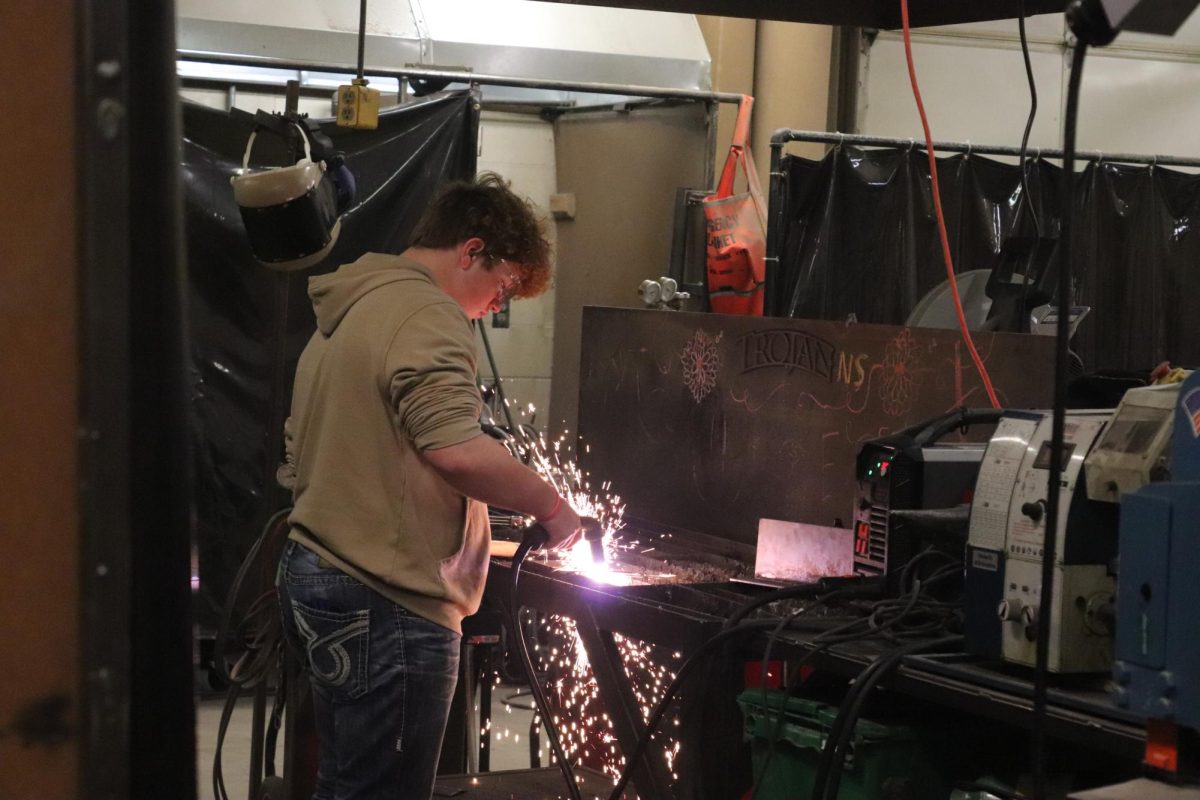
511	38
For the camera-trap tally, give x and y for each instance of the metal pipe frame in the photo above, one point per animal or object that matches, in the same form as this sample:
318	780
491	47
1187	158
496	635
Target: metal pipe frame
776	206
457	76
785	135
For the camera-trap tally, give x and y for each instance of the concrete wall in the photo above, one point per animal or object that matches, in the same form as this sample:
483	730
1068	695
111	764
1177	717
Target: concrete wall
521	148
785	65
623	169
1138	93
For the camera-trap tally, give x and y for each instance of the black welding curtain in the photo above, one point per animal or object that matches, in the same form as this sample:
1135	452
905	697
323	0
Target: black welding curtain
248	324
860	237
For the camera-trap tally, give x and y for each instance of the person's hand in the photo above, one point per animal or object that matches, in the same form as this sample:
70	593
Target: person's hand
564	528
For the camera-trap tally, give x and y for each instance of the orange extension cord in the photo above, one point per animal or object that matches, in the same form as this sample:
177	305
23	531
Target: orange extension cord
941	220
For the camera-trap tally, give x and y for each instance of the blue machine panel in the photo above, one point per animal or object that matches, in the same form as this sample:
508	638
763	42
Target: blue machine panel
1144	584
1157	671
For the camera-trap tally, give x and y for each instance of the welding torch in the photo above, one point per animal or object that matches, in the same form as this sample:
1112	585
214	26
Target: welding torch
536	537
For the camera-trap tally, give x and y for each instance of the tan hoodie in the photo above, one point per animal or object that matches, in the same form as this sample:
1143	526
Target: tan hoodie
389	373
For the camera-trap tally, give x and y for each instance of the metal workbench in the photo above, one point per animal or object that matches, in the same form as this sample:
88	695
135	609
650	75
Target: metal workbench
683	617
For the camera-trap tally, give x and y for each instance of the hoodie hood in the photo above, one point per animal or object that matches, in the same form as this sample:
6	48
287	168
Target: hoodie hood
334	294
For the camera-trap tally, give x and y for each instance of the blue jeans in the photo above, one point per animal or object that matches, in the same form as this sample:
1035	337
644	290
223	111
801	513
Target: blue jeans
382	681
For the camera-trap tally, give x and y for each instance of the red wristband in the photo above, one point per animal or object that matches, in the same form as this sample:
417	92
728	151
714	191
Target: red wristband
558	501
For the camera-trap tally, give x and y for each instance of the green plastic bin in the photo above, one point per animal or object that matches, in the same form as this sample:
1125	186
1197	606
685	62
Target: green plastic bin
886	762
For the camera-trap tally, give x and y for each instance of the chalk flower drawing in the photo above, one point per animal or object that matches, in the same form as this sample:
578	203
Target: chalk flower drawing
900	363
700	361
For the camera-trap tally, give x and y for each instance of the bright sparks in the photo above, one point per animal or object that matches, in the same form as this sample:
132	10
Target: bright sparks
585	728
554	463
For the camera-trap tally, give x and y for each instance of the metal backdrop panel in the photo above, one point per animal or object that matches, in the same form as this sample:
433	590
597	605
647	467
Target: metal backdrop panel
710	422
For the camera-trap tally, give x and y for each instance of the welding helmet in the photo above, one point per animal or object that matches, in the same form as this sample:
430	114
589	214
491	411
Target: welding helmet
292	214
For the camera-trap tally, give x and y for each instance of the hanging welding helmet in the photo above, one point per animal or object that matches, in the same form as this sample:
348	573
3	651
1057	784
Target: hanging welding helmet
292	214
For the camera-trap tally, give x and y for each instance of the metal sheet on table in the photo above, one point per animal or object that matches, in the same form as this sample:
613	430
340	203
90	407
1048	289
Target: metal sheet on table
794	551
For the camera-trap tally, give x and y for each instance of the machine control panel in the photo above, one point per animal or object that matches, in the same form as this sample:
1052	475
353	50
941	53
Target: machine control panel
1080	639
1027	511
1006	547
1136	445
997	479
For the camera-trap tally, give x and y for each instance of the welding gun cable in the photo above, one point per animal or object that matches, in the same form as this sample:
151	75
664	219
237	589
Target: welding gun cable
274	725
793	684
535	538
842	729
235	591
262	647
1023	161
487	347
906	570
781	712
789	622
798	592
962	418
822	646
824	641
894	621
735	625
1033	107
784	622
826	784
835	729
218	774
775	595
660	709
910	605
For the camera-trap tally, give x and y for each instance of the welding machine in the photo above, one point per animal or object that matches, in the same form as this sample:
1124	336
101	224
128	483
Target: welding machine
1134	448
911	470
1005	540
1157	670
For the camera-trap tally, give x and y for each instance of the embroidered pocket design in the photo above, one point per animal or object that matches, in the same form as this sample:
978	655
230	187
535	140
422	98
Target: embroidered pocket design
336	645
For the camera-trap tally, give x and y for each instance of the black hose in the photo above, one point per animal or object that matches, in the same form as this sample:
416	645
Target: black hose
823	642
1033	105
660	710
836	744
829	590
959	418
534	538
262	651
508	417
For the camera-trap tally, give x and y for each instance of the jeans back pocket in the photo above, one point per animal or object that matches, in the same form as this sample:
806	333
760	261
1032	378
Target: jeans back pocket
337	644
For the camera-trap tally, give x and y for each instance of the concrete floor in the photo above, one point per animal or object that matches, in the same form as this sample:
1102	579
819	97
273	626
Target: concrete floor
510	741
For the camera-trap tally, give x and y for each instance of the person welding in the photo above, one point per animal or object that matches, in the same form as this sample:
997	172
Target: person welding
389	539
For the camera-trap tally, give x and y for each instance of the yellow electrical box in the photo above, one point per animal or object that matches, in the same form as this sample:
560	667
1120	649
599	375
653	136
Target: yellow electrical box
358	106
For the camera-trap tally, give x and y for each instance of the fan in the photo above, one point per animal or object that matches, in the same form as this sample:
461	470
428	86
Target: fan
936	308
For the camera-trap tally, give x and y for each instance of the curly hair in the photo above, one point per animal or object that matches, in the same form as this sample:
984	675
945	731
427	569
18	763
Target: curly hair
508	224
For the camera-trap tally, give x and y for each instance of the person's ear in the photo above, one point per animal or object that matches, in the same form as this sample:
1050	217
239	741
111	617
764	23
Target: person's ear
471	249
